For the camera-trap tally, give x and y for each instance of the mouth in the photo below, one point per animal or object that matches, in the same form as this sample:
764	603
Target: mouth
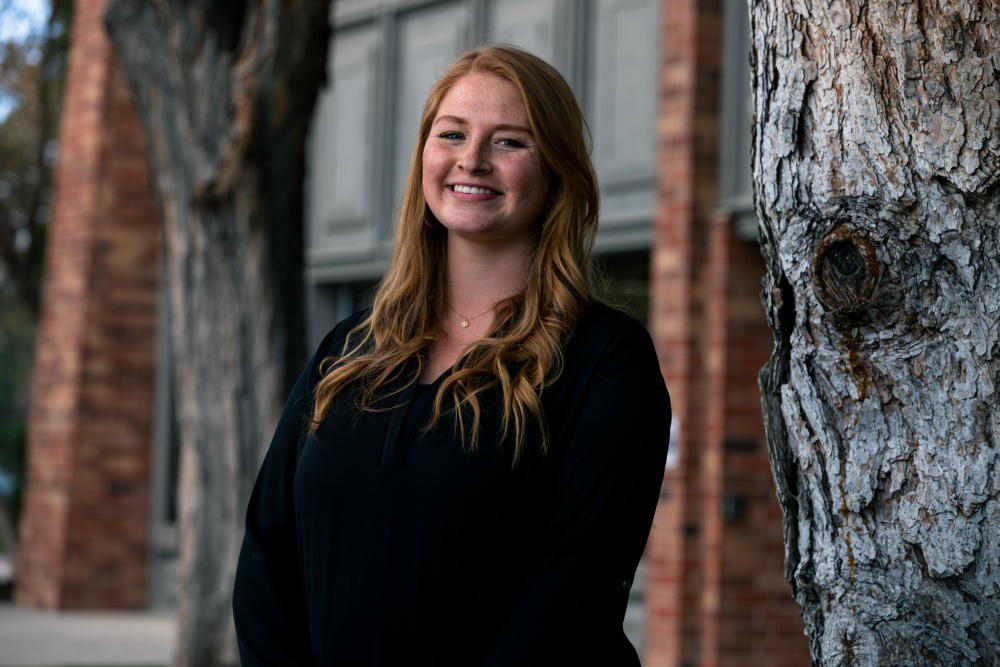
471	190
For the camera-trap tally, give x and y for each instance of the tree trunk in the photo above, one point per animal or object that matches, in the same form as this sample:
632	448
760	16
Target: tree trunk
226	91
876	165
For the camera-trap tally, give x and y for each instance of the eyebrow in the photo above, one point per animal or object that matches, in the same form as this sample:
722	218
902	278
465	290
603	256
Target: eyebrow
504	127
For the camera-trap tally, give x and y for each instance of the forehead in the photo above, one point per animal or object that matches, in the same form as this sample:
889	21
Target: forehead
483	97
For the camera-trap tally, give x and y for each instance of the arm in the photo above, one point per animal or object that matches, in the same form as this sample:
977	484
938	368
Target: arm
606	479
268	604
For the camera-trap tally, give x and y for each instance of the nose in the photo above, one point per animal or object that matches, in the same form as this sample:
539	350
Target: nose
475	157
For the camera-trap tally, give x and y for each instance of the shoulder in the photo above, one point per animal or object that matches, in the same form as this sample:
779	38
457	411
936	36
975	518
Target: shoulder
601	326
610	375
599	312
608	344
350	327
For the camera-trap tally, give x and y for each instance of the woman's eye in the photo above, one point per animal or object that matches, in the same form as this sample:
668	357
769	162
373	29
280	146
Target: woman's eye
450	135
510	143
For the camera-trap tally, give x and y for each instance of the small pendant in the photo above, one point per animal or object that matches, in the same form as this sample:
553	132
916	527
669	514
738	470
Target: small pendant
465	324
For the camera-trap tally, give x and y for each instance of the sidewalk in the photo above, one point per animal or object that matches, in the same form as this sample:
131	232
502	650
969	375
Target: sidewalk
32	638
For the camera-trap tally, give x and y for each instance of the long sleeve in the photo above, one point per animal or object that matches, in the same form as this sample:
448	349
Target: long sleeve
607	466
268	605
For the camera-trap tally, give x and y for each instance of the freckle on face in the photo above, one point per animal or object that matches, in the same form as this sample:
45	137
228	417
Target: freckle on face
481	139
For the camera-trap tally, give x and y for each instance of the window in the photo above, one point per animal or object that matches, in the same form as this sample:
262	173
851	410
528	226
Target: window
735	175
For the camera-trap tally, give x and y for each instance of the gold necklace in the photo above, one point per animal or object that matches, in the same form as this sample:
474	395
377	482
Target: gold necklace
465	320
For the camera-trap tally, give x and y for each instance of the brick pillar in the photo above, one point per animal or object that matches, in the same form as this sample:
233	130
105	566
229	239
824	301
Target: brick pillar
684	548
716	594
760	622
86	513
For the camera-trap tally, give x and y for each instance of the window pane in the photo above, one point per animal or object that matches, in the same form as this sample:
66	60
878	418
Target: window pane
427	43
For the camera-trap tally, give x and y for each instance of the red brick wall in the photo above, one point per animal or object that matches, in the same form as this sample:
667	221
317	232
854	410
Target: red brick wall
716	593
760	621
86	514
683	550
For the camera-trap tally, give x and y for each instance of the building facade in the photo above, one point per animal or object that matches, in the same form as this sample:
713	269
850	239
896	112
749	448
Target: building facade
384	57
664	85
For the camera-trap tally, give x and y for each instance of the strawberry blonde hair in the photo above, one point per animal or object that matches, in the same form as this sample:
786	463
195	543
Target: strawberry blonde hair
522	352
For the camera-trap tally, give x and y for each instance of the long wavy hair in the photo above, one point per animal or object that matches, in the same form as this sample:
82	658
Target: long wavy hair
522	351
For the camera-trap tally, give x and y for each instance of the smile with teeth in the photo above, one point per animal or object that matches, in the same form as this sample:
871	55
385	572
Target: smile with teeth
470	190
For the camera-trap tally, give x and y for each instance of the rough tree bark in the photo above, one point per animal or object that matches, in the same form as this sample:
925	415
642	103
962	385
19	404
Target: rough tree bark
877	163
226	90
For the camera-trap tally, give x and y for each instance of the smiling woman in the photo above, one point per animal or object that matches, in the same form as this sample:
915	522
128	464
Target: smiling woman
466	474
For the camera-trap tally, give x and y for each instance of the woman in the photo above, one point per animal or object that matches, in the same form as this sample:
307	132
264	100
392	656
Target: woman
466	474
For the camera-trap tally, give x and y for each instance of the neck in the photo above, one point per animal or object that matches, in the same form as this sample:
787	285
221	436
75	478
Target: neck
478	278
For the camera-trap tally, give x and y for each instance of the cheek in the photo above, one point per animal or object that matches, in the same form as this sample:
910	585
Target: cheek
434	168
538	173
535	179
427	178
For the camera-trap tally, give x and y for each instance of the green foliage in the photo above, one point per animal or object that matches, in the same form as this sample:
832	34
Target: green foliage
32	71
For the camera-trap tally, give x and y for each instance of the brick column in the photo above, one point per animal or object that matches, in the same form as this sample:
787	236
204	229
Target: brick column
684	549
759	620
86	514
716	594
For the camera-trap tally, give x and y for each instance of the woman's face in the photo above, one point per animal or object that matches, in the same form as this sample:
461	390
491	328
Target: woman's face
483	178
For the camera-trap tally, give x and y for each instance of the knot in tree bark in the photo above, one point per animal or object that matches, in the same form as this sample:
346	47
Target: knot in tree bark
845	270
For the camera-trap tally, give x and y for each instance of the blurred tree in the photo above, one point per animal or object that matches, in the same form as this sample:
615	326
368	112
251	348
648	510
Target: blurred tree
226	90
877	169
32	70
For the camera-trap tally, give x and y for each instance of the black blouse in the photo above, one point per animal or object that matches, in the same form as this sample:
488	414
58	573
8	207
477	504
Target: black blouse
375	542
